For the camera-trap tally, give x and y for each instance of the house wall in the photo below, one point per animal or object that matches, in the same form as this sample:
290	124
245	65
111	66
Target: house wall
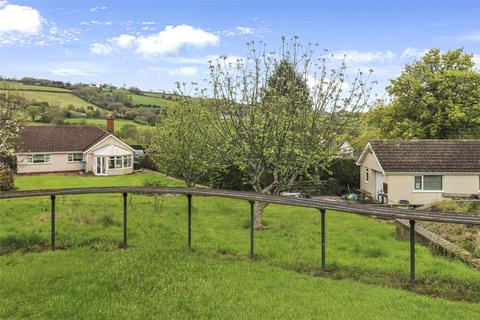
58	163
400	187
371	163
110	172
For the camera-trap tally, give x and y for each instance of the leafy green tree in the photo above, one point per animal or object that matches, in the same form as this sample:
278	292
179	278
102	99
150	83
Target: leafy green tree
129	132
275	128
33	112
10	105
437	97
178	145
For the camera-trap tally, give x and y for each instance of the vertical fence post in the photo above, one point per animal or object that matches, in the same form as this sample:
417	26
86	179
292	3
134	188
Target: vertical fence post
252	228
125	245
412	253
189	197
322	213
52	198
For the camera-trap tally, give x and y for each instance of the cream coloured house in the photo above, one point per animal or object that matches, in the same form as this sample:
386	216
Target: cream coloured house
419	171
73	148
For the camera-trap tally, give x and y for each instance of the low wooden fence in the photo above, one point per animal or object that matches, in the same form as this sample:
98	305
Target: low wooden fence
379	212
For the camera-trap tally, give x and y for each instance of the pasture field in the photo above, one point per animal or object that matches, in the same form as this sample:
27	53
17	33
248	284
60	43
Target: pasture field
152	100
20	86
90	276
119	123
61	99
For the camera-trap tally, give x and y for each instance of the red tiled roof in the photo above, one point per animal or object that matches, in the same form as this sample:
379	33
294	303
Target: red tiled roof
58	138
428	155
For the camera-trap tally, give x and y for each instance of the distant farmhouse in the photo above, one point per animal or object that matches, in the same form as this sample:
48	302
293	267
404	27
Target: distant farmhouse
73	148
419	171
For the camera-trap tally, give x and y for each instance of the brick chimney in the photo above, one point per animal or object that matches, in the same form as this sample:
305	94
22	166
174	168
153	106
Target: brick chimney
111	124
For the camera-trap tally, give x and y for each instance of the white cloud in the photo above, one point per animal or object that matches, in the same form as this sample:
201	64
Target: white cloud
173	38
364	56
98	8
183	71
167	42
21	19
146	23
240	31
100	48
96	23
76	68
413	53
473	36
123	40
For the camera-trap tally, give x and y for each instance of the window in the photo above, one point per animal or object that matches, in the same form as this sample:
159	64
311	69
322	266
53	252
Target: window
75	157
118	162
418	183
428	183
366	174
127	161
111	163
38	158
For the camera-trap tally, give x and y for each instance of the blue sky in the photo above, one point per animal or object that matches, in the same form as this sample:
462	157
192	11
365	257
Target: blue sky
152	44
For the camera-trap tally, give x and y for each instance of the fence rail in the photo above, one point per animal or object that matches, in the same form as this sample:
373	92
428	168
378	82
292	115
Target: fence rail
322	205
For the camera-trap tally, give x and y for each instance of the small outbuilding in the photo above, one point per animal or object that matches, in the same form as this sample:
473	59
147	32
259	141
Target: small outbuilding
419	171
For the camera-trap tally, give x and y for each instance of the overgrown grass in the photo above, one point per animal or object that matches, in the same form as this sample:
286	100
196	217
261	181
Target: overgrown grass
459	206
157	277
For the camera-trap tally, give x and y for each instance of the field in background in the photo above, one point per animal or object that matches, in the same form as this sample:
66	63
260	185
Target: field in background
91	277
119	123
20	86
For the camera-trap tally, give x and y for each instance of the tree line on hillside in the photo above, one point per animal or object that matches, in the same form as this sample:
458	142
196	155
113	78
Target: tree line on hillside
108	97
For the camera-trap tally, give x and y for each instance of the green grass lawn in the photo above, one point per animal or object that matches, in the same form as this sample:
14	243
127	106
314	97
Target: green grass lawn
158	277
20	86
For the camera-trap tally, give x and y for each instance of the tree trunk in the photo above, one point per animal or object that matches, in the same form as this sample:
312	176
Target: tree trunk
259	207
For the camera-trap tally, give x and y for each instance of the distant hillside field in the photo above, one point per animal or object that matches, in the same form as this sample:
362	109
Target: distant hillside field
61	99
119	123
20	86
148	99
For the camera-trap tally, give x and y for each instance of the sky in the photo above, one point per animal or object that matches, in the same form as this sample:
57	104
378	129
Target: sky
153	44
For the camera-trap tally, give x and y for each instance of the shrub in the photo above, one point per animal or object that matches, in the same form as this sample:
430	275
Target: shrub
6	178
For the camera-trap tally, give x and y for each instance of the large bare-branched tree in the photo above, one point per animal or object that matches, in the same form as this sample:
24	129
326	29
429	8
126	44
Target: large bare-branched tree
9	129
280	114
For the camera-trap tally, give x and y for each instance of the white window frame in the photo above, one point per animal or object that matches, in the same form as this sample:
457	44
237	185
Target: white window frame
47	158
367	175
70	157
423	183
125	159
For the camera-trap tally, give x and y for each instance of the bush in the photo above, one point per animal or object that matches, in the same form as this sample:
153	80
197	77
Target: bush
6	178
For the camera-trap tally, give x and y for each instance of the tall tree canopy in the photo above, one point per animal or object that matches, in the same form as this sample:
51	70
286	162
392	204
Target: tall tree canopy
275	127
437	97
